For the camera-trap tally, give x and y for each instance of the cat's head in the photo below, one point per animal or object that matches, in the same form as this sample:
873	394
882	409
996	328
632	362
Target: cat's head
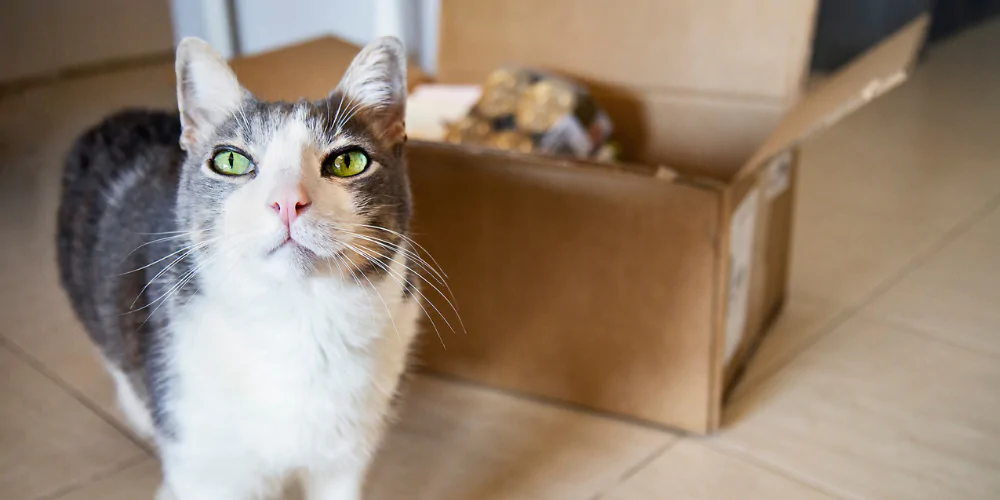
294	188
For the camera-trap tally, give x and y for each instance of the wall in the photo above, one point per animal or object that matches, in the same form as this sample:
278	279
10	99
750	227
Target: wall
847	28
42	37
247	27
265	24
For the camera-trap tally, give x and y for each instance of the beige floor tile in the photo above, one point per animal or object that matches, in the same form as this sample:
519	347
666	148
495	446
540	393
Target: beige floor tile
891	162
884	185
954	295
137	482
453	441
691	470
879	412
924	153
842	257
36	130
458	442
38	320
48	440
802	319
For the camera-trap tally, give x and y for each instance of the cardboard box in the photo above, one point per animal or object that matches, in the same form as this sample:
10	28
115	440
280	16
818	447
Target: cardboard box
638	288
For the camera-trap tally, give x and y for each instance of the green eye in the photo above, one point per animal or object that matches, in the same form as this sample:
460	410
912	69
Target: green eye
231	163
347	164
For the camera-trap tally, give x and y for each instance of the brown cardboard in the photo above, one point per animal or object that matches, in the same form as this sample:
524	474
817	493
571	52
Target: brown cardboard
722	48
613	287
700	83
876	72
311	69
685	129
563	301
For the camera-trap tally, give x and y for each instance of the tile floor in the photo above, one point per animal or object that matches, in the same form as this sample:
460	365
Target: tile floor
880	381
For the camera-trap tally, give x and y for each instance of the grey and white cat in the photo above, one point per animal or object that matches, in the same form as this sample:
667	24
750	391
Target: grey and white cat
245	270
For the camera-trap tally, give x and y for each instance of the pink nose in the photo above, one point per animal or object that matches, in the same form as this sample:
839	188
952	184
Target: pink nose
289	203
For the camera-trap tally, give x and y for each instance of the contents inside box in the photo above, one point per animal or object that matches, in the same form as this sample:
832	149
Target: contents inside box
517	109
531	111
688	85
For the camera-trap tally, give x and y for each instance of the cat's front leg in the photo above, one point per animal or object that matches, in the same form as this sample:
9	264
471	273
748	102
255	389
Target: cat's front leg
335	483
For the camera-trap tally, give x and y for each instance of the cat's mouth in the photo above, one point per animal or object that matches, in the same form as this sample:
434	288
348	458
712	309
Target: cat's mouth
287	244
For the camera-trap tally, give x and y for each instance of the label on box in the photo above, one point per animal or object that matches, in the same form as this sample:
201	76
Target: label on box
779	175
741	233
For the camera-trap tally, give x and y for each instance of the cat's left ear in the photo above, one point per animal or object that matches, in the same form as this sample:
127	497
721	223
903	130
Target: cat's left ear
375	84
207	90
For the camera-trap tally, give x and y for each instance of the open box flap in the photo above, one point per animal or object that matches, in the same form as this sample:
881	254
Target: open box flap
679	46
311	70
876	72
677	77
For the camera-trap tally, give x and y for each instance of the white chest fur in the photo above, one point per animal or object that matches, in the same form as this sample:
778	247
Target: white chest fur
303	378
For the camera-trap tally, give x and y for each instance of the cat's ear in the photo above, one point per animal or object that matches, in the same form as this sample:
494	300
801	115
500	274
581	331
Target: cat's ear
207	90
376	84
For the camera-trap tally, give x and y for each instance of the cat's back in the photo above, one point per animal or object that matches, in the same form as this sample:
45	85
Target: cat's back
118	187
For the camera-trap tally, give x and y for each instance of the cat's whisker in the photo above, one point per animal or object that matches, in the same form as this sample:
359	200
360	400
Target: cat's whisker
165	257
419	261
357	281
246	122
336	115
451	301
408	240
436	289
341	118
435	269
384	304
225	276
190	250
390	273
164	232
153	280
186	278
389	245
350	114
181	282
158	240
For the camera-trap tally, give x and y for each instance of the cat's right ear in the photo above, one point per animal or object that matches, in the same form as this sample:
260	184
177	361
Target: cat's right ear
207	90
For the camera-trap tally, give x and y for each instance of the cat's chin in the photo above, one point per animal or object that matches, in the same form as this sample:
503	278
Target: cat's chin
291	257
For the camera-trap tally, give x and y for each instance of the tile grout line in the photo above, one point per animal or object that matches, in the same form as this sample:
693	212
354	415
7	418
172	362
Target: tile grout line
914	330
98	476
75	394
635	468
641	464
884	286
767	466
561	405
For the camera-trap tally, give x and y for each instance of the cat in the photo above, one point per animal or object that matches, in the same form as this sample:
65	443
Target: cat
245	269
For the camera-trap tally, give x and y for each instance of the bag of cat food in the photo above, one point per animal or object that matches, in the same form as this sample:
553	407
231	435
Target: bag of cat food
532	111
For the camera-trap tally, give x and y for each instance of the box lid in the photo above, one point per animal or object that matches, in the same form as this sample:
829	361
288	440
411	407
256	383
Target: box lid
729	48
874	73
311	69
690	84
